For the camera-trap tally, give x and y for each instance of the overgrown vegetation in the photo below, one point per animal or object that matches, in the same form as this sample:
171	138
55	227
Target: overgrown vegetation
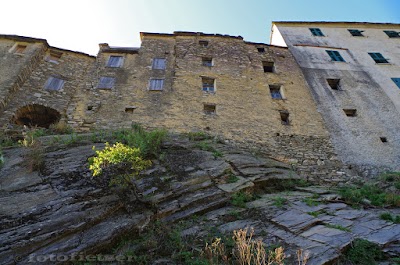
392	178
280	201
312	201
362	252
391	218
198	136
375	195
240	198
34	157
339	227
205	146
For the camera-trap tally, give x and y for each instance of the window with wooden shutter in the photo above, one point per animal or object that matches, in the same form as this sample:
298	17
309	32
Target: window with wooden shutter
106	82
378	58
159	63
335	56
54	83
156	84
115	61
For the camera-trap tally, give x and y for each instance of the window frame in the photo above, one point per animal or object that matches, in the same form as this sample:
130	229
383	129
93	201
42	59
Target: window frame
356	32
207	61
15	49
284	116
206	86
392	33
204	43
378	58
54	84
317	32
261	49
396	80
156	84
268	65
334	83
106	85
54	57
276	89
335	56
209	108
119	63
159	63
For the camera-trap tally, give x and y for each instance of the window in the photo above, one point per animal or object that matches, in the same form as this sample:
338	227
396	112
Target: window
156	84
350	112
396	81
203	43
260	49
54	56
208	84
284	117
130	109
115	61
54	83
378	58
392	34
356	32
275	91
209	108
159	63
20	48
383	139
106	82
335	56
207	61
268	67
316	32
334	83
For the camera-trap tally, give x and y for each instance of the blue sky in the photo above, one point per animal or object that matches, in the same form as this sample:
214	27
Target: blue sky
82	24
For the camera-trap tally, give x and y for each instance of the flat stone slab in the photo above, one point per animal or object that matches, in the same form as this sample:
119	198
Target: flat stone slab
240	184
295	220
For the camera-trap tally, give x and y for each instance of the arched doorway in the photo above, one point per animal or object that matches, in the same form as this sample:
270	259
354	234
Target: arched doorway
36	115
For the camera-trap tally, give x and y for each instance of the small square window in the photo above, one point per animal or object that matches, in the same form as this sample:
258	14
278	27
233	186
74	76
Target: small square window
284	117
268	67
378	58
130	109
356	32
261	49
276	92
335	56
383	139
115	61
20	48
156	84
209	108
316	32
350	112
54	56
159	63
106	82
207	61
54	83
203	43
392	33
208	84
396	81
334	83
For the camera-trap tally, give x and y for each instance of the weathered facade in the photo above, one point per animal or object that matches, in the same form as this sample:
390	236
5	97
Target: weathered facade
351	69
252	93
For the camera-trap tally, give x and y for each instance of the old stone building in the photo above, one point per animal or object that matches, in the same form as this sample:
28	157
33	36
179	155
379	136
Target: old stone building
353	71
252	93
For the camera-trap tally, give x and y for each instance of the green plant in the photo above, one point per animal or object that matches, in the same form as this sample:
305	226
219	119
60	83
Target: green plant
397	185
338	227
390	176
61	127
311	201
377	197
362	252
122	162
240	198
390	218
198	136
232	178
1	159
279	201
35	157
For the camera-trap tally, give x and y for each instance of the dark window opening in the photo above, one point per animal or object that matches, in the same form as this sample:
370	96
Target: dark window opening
89	107
284	117
260	49
334	83
350	112
268	67
206	61
316	32
383	139
203	43
392	33
36	115
275	91
208	84
209	108
378	58
129	109
335	56
356	32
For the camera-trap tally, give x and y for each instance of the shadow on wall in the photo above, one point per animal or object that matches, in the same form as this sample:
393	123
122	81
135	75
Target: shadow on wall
36	116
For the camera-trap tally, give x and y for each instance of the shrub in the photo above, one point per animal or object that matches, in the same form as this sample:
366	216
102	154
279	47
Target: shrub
35	157
122	163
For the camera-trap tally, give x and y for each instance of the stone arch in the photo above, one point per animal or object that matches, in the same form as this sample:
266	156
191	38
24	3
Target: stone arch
36	115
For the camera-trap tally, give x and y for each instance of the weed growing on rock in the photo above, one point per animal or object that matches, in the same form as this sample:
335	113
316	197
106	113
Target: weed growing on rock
61	127
339	227
280	201
390	218
205	146
362	252
311	201
35	157
240	198
198	136
377	197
